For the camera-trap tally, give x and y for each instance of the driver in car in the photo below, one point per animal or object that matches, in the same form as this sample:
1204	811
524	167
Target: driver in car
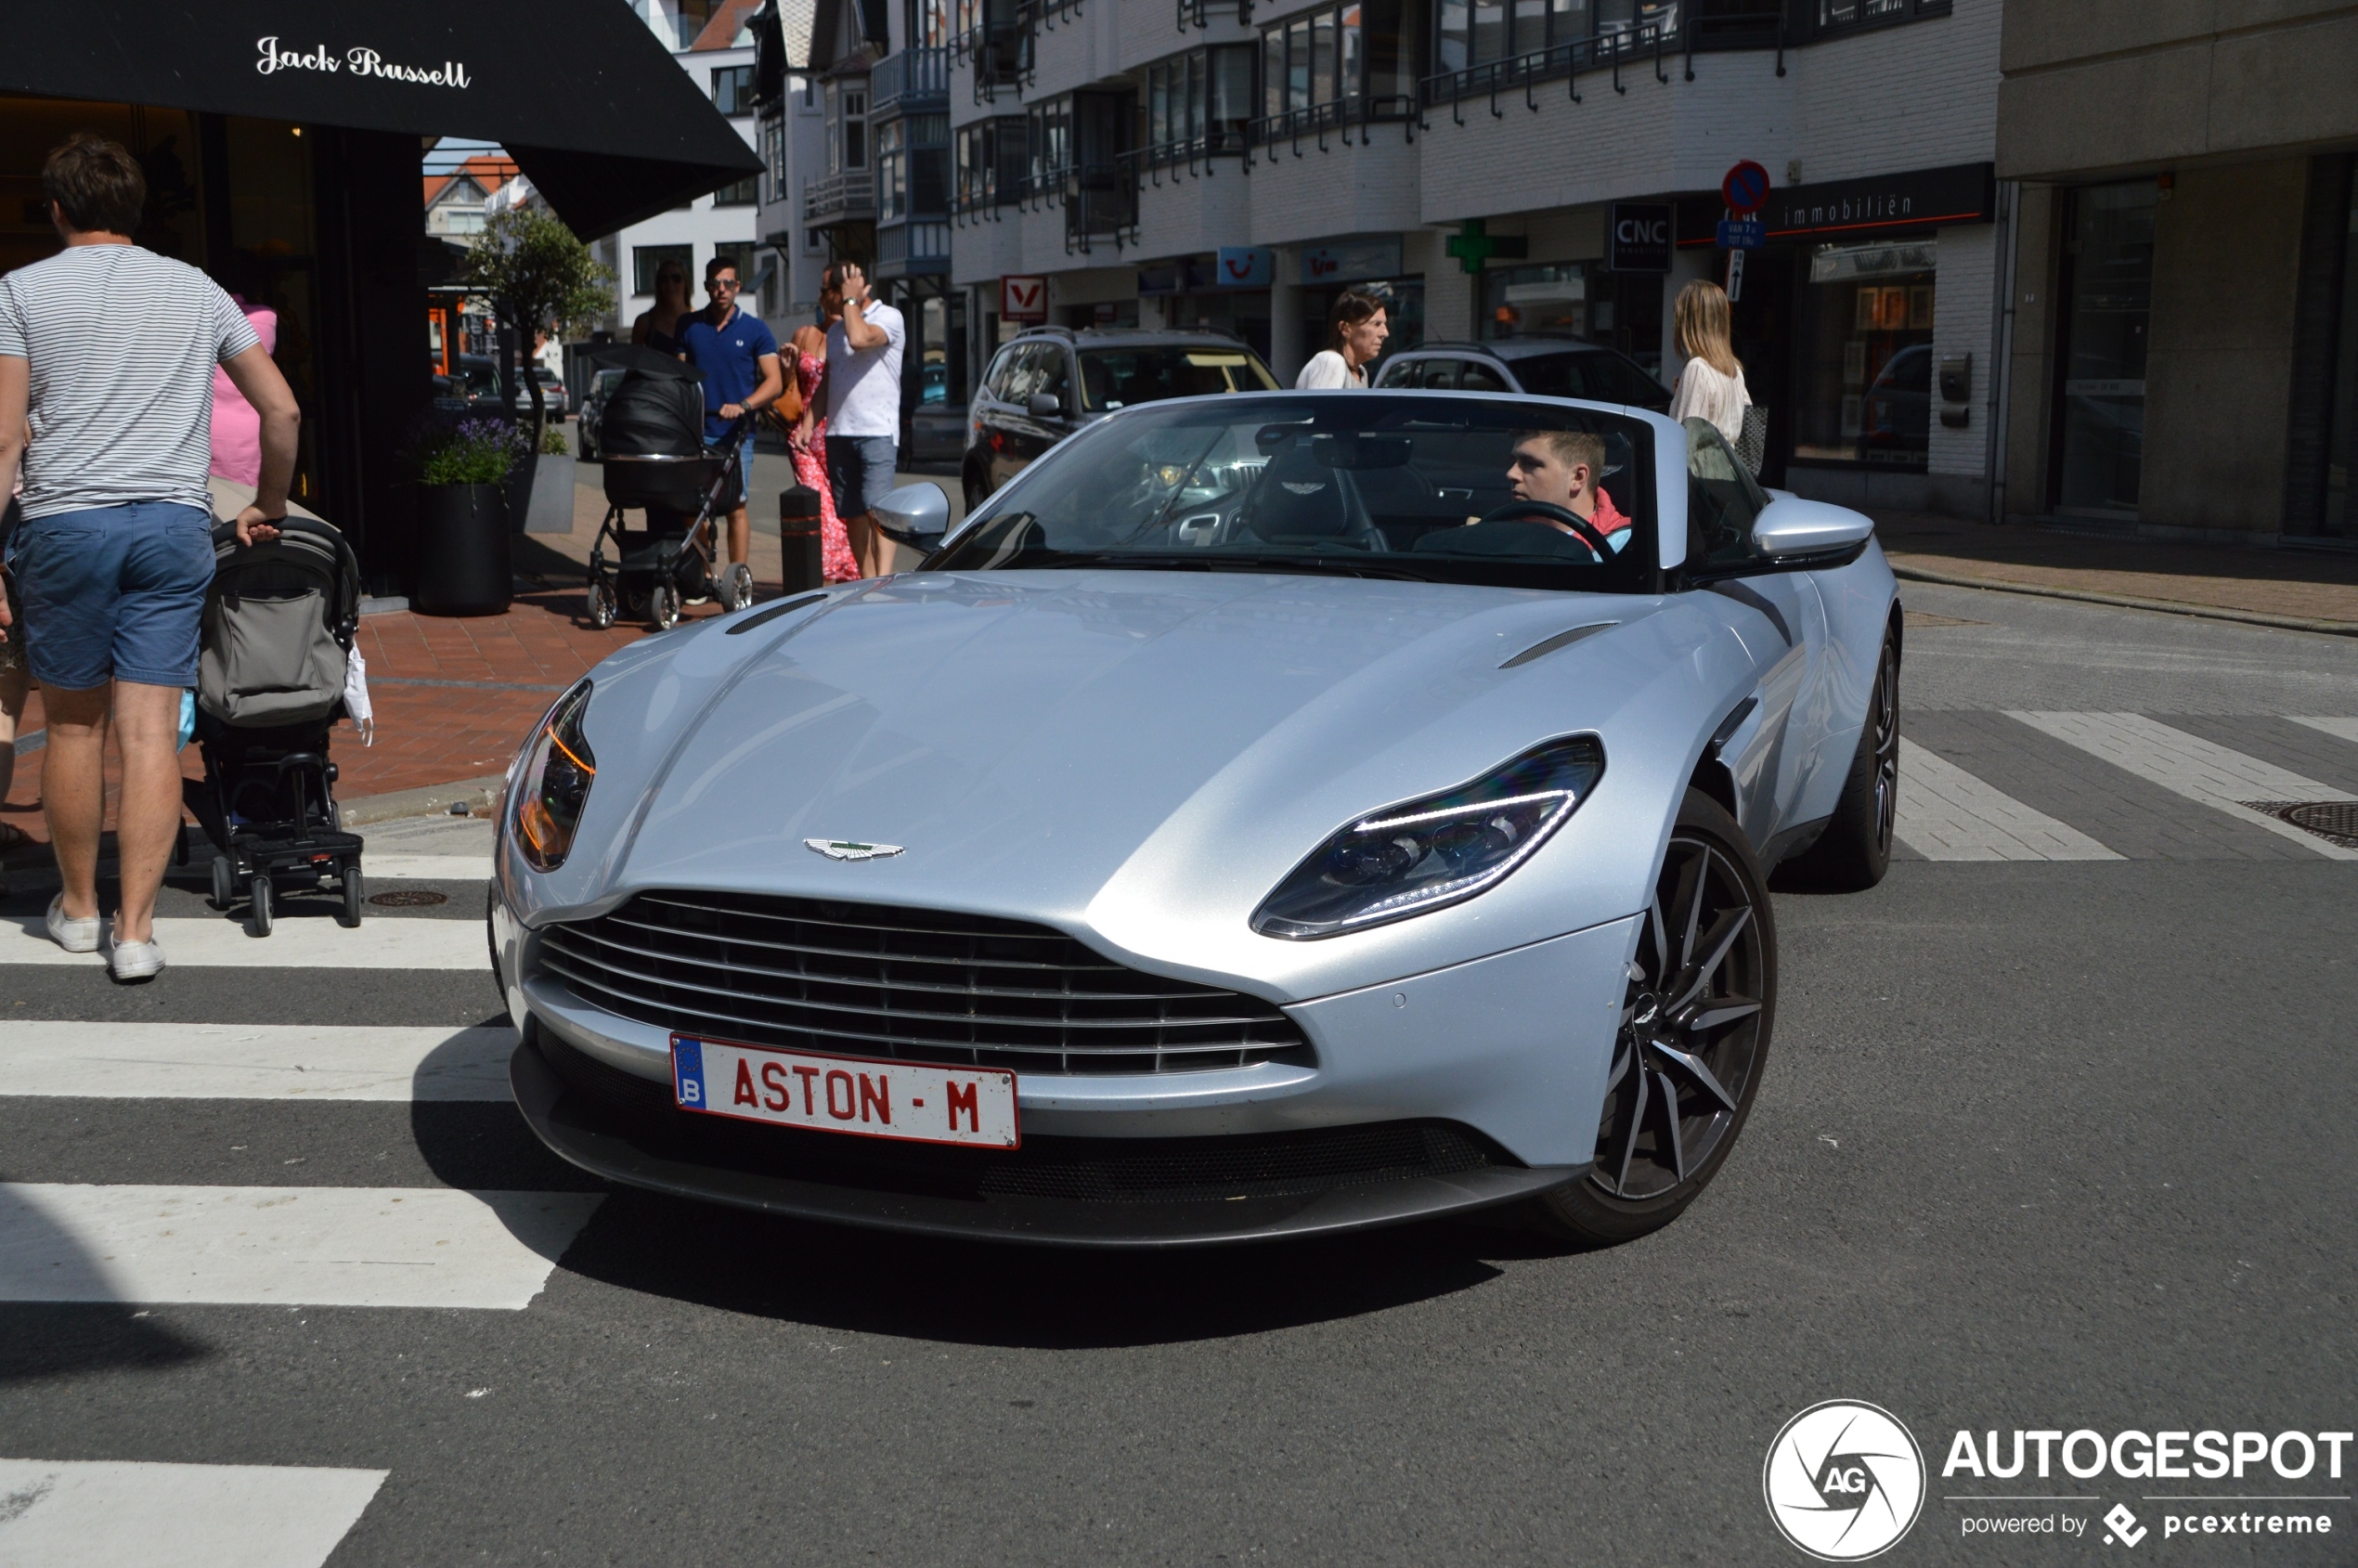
1562	468
1557	506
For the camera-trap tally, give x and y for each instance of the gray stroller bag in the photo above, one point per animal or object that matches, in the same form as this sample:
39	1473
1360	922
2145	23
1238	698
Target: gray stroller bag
278	626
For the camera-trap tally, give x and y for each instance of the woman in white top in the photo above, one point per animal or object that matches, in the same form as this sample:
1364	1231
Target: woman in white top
1712	384
1356	333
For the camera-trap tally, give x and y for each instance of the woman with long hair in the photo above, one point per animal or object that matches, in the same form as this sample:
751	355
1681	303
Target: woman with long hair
659	325
1711	386
836	562
1355	330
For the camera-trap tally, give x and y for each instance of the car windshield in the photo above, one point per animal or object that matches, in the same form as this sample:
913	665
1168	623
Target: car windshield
1377	484
1117	378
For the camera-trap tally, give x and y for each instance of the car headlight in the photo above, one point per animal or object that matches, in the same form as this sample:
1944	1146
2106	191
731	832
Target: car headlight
1432	852
553	785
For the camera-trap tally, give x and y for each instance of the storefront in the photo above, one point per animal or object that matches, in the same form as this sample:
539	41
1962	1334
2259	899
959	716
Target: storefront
281	144
1580	299
1842	325
1223	292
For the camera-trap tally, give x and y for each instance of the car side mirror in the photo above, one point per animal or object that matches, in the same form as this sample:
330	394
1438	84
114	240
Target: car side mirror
916	515
1793	527
1044	406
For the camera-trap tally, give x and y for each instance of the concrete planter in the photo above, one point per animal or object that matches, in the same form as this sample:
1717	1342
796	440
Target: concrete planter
549	509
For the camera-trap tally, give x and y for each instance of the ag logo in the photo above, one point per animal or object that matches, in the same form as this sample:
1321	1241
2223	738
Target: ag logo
1844	1481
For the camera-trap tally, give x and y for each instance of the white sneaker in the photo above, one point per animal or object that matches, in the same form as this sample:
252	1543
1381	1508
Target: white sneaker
134	961
74	936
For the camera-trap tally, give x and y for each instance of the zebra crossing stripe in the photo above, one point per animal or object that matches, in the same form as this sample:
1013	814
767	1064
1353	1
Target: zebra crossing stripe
1948	814
82	1514
254	1061
2340	729
392	867
373	1247
2197	769
309	942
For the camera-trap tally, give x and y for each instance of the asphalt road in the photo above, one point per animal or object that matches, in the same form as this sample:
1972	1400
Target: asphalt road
2047	1145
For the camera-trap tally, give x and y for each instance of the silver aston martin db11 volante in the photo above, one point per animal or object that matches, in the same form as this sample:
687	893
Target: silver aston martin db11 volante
1270	814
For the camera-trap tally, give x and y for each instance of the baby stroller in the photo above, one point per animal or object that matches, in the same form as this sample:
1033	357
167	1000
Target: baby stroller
651	436
277	638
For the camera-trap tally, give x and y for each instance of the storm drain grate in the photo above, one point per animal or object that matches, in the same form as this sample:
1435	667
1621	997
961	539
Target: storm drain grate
2335	821
410	897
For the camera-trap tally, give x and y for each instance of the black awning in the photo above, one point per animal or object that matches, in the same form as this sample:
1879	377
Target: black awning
592	106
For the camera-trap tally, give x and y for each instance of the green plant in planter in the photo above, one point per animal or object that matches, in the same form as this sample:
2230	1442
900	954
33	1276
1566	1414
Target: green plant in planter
468	452
552	443
539	278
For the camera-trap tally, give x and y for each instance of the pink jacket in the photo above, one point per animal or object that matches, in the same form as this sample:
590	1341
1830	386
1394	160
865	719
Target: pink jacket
236	429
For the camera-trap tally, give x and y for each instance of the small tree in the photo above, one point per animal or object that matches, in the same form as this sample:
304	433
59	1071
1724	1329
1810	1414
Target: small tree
539	278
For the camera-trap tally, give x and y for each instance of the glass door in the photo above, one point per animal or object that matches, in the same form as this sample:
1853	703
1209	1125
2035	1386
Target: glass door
2102	407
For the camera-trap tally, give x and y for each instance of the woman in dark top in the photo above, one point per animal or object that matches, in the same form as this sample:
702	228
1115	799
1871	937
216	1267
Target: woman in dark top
659	327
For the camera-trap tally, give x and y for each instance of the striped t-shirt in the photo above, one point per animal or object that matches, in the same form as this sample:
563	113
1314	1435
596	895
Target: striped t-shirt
120	345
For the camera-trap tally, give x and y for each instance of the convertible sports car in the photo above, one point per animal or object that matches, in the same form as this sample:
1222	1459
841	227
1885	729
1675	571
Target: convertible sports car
1267	815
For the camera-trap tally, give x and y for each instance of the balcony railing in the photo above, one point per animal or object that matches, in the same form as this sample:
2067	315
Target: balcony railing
1677	32
1351	120
847	198
1194	154
1198	13
912	249
910	82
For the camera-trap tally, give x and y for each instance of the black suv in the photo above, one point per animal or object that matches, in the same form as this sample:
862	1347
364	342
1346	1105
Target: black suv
1541	366
1052	381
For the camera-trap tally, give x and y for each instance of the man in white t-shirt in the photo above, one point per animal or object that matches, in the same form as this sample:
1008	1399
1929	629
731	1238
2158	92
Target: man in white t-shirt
863	412
106	353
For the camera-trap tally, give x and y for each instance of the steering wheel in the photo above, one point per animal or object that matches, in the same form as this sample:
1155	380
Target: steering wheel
1548	511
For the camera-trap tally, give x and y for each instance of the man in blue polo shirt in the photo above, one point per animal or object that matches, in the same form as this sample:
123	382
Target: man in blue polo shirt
739	359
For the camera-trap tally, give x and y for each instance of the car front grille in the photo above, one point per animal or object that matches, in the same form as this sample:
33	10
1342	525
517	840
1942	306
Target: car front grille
903	984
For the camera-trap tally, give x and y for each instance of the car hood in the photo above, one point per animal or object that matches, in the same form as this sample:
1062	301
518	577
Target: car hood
1134	757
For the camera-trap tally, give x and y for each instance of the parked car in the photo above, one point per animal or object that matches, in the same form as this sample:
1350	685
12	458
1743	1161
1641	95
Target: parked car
1221	838
1051	381
593	407
1539	364
1897	424
472	386
552	394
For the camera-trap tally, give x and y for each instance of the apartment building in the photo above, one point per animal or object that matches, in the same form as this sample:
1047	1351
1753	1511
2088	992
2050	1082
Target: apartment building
2183	309
1235	164
713	42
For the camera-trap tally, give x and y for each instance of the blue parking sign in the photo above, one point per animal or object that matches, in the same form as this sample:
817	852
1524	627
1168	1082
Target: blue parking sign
1742	234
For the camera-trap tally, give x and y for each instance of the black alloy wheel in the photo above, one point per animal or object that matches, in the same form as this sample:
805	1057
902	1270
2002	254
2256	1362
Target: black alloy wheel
1693	1036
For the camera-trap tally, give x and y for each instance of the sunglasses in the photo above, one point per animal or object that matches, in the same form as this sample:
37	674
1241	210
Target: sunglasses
728	284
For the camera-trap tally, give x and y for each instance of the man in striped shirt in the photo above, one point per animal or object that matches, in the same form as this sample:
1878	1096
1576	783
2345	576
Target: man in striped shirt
106	353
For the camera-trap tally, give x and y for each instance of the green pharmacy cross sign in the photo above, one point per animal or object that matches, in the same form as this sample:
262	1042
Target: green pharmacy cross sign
1473	245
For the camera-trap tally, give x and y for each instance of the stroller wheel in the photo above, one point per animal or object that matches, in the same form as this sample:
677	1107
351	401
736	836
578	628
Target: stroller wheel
351	895
601	606
736	589
224	883
260	887
663	606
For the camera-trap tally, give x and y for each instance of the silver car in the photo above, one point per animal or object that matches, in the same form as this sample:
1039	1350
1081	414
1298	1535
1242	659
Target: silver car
1257	819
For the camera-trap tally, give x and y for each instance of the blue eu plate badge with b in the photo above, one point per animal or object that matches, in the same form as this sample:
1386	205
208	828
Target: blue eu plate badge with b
687	1071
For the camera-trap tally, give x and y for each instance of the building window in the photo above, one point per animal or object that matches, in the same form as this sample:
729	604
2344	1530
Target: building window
1336	62
993	155
646	259
774	155
1838	16
2107	304
1199	102
846	129
732	89
892	176
1863	352
738	253
1478	32
746	192
929	23
1048	146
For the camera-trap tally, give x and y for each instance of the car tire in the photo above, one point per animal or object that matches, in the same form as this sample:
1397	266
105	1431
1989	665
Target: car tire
1694	1033
1854	851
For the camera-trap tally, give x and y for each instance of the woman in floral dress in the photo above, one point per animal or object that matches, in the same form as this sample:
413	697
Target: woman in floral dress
836	562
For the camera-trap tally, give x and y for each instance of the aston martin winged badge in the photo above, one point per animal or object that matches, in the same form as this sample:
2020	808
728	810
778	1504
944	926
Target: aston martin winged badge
850	849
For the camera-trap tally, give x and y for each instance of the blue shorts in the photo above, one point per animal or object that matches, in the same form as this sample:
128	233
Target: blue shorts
860	472
744	467
116	592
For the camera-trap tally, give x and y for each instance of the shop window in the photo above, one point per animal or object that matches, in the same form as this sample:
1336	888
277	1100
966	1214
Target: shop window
2341	429
1536	299
732	89
1864	354
646	259
2109	269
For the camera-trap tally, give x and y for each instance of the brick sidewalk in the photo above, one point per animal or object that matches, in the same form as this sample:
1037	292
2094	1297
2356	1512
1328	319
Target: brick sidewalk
2315	587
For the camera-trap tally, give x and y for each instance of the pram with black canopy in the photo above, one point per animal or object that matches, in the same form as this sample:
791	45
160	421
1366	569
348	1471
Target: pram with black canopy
651	443
271	663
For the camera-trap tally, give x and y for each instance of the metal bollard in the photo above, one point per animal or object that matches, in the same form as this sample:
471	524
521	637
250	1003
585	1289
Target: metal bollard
798	538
